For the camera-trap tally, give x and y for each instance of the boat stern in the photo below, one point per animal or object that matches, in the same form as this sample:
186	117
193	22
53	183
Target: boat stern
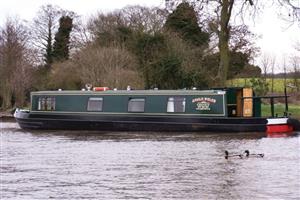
282	125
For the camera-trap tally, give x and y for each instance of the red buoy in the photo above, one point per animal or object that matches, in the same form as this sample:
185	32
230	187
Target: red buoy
100	88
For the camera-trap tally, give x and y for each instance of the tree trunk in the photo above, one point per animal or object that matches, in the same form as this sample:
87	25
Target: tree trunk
223	42
272	83
6	95
20	97
224	60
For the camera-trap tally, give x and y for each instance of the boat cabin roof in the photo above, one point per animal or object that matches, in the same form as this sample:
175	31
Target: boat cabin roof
129	92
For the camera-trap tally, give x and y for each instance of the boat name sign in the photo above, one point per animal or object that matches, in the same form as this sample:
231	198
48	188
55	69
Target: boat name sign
203	103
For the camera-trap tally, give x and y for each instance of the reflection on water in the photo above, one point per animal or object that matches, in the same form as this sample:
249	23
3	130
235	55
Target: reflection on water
149	165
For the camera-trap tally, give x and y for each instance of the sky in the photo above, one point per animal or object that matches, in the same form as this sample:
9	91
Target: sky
277	38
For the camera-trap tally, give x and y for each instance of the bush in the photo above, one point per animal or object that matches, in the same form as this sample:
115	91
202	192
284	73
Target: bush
260	86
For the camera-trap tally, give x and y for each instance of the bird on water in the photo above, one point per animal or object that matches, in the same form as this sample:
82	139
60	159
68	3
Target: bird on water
259	155
247	155
234	155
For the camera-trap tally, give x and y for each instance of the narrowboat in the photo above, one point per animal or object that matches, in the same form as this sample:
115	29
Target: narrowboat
215	110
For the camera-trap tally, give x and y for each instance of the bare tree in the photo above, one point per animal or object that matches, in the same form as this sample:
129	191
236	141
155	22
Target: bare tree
284	65
108	27
80	36
243	40
144	19
295	62
64	75
15	63
43	29
107	66
104	27
45	26
265	64
289	10
272	66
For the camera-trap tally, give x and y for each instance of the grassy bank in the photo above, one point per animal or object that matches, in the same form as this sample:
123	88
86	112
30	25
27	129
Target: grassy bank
278	83
279	109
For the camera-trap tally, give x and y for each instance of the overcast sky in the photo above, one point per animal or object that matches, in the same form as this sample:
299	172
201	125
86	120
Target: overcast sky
276	38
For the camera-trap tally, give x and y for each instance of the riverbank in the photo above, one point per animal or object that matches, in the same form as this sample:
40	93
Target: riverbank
6	115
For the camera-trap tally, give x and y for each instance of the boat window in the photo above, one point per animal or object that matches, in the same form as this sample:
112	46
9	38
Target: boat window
95	104
136	105
176	104
46	103
41	103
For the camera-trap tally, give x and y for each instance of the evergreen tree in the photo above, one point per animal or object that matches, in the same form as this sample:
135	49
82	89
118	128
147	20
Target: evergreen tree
149	50
48	56
184	21
42	32
62	39
238	62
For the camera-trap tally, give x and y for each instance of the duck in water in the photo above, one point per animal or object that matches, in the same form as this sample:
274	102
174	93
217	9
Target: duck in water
259	155
234	155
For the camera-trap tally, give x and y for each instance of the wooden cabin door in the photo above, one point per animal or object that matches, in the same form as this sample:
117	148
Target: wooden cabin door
239	103
248	102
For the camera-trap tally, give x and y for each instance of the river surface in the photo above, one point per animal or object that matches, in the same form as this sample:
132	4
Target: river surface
124	165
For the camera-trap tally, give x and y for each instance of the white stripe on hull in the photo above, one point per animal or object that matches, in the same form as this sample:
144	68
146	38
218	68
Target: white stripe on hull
272	121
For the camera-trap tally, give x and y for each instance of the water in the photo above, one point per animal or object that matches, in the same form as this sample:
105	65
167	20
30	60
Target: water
87	165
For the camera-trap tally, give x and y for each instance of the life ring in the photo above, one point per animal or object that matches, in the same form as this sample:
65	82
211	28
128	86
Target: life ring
100	89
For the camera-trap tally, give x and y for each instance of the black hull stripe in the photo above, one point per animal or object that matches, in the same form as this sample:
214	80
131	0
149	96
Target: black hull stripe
129	123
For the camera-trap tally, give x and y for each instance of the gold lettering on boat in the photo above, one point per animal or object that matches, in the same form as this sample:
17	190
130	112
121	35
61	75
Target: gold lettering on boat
203	103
